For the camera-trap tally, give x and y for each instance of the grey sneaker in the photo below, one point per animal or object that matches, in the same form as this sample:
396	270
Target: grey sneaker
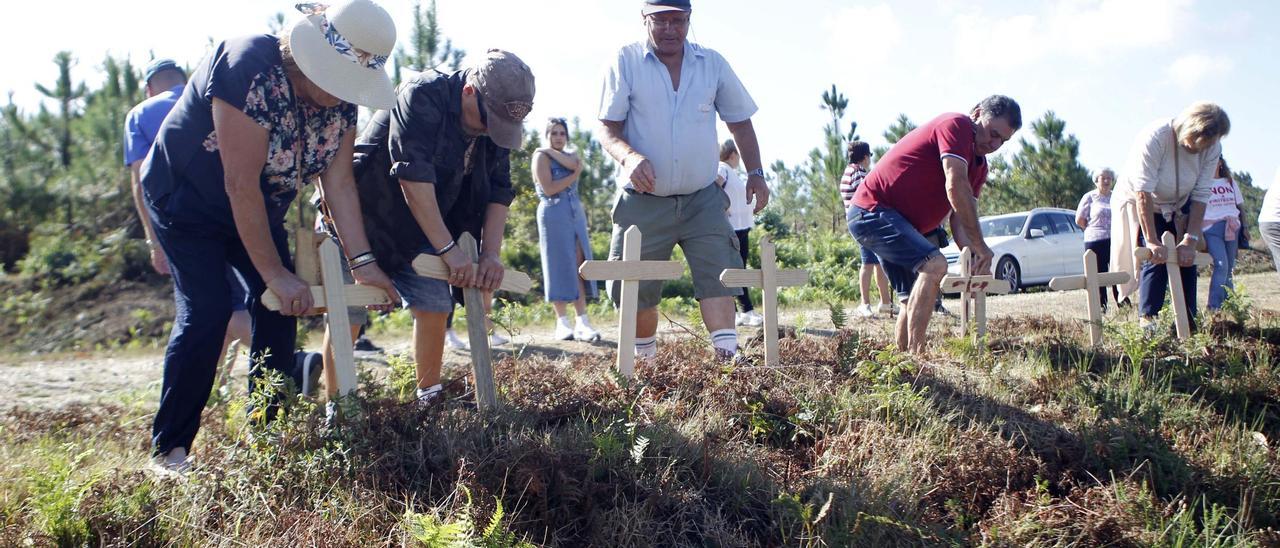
172	464
309	365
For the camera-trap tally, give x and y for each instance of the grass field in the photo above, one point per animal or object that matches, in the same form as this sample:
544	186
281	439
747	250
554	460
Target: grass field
1031	439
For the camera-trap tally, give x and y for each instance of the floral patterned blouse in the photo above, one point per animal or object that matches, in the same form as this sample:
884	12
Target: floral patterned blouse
183	177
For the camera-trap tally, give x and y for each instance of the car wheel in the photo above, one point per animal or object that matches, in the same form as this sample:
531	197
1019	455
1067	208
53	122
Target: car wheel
1007	269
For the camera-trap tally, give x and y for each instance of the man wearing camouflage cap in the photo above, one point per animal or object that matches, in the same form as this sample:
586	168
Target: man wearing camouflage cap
434	166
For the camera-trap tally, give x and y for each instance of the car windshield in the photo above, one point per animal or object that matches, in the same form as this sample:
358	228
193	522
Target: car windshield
1002	226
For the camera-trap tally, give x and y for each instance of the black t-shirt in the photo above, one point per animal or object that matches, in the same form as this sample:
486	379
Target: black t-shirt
421	141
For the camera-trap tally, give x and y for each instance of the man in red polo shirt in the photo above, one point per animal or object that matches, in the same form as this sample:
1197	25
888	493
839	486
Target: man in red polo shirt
938	168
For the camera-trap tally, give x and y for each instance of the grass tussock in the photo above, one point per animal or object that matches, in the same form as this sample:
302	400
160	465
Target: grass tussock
1028	438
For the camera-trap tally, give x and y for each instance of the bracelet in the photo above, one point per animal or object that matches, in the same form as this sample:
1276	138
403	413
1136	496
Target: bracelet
448	247
359	257
368	261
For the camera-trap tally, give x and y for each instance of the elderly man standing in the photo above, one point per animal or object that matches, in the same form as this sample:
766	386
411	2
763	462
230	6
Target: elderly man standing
658	108
938	168
1164	188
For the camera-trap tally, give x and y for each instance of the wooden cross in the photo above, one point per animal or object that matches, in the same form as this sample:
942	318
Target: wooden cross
431	266
1091	281
768	279
330	292
973	288
631	270
1182	317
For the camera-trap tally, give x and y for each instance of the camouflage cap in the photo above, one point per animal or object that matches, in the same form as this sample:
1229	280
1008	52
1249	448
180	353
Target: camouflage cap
506	86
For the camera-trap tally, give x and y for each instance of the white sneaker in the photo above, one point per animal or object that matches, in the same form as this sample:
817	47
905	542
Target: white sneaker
864	310
739	319
583	331
564	331
497	340
890	309
451	340
428	396
175	462
753	319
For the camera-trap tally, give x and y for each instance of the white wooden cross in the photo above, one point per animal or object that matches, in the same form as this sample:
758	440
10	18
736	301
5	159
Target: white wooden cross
1182	316
769	278
1091	281
330	292
630	271
431	266
973	288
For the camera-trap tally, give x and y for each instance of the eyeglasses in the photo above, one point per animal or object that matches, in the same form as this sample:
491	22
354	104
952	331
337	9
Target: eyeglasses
672	23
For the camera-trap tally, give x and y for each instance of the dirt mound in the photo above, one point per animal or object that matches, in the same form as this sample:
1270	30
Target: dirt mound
97	314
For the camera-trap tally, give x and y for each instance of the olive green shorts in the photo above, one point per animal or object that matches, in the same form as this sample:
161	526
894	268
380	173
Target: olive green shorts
696	222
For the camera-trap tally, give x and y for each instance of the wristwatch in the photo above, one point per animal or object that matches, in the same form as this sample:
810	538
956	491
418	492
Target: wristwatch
758	172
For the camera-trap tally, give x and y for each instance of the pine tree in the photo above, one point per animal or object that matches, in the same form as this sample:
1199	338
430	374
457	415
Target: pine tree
429	49
1046	172
900	128
68	95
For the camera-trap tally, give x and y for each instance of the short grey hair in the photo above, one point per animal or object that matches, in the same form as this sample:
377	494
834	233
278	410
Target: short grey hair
1000	106
1106	171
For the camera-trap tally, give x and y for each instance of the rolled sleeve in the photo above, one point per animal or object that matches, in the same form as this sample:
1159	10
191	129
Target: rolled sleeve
416	121
500	190
615	93
1208	168
732	100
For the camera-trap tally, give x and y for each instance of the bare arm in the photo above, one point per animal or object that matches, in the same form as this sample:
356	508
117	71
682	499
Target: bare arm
243	145
421	198
158	260
489	273
635	167
542	175
965	218
338	188
1147	224
744	134
568	160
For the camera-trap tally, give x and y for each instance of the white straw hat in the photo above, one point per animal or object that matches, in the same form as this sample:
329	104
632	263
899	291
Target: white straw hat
343	49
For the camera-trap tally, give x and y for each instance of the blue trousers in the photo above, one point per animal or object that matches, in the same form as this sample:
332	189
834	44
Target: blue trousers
202	296
1154	280
1224	263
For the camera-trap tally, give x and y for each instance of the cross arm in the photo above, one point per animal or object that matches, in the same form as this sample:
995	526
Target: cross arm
433	267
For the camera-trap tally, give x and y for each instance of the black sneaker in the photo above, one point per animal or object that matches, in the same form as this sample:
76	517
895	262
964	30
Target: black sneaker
308	366
363	344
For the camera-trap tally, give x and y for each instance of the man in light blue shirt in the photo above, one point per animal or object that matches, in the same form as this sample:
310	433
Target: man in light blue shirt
658	107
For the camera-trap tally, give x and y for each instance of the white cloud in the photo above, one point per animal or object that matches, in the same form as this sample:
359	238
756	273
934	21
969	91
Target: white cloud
1189	70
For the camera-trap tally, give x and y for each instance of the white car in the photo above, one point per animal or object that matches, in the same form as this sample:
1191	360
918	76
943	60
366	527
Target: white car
1030	247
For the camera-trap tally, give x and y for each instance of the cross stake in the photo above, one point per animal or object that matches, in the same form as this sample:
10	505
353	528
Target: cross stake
431	266
1091	281
333	294
768	279
631	270
1182	317
973	287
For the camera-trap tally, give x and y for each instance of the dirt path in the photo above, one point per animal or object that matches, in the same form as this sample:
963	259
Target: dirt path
52	381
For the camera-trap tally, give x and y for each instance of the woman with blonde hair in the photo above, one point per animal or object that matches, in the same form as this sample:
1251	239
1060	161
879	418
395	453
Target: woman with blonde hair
562	233
1165	187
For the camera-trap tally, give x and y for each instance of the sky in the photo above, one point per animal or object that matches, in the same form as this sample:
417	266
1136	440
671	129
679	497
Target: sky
1107	67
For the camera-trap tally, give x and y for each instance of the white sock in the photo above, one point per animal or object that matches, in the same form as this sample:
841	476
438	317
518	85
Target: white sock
563	320
725	339
646	347
429	390
583	321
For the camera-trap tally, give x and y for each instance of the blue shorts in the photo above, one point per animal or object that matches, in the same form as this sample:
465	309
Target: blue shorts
869	258
901	248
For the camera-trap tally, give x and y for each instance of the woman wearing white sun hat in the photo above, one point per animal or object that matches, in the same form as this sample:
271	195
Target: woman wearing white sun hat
262	116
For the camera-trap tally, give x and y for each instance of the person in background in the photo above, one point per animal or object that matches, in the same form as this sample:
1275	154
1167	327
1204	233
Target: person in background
742	217
1094	216
1221	229
1165	187
562	233
262	116
858	157
1269	220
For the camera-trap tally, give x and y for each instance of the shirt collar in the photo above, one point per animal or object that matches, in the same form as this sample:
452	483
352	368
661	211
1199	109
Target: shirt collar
688	50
